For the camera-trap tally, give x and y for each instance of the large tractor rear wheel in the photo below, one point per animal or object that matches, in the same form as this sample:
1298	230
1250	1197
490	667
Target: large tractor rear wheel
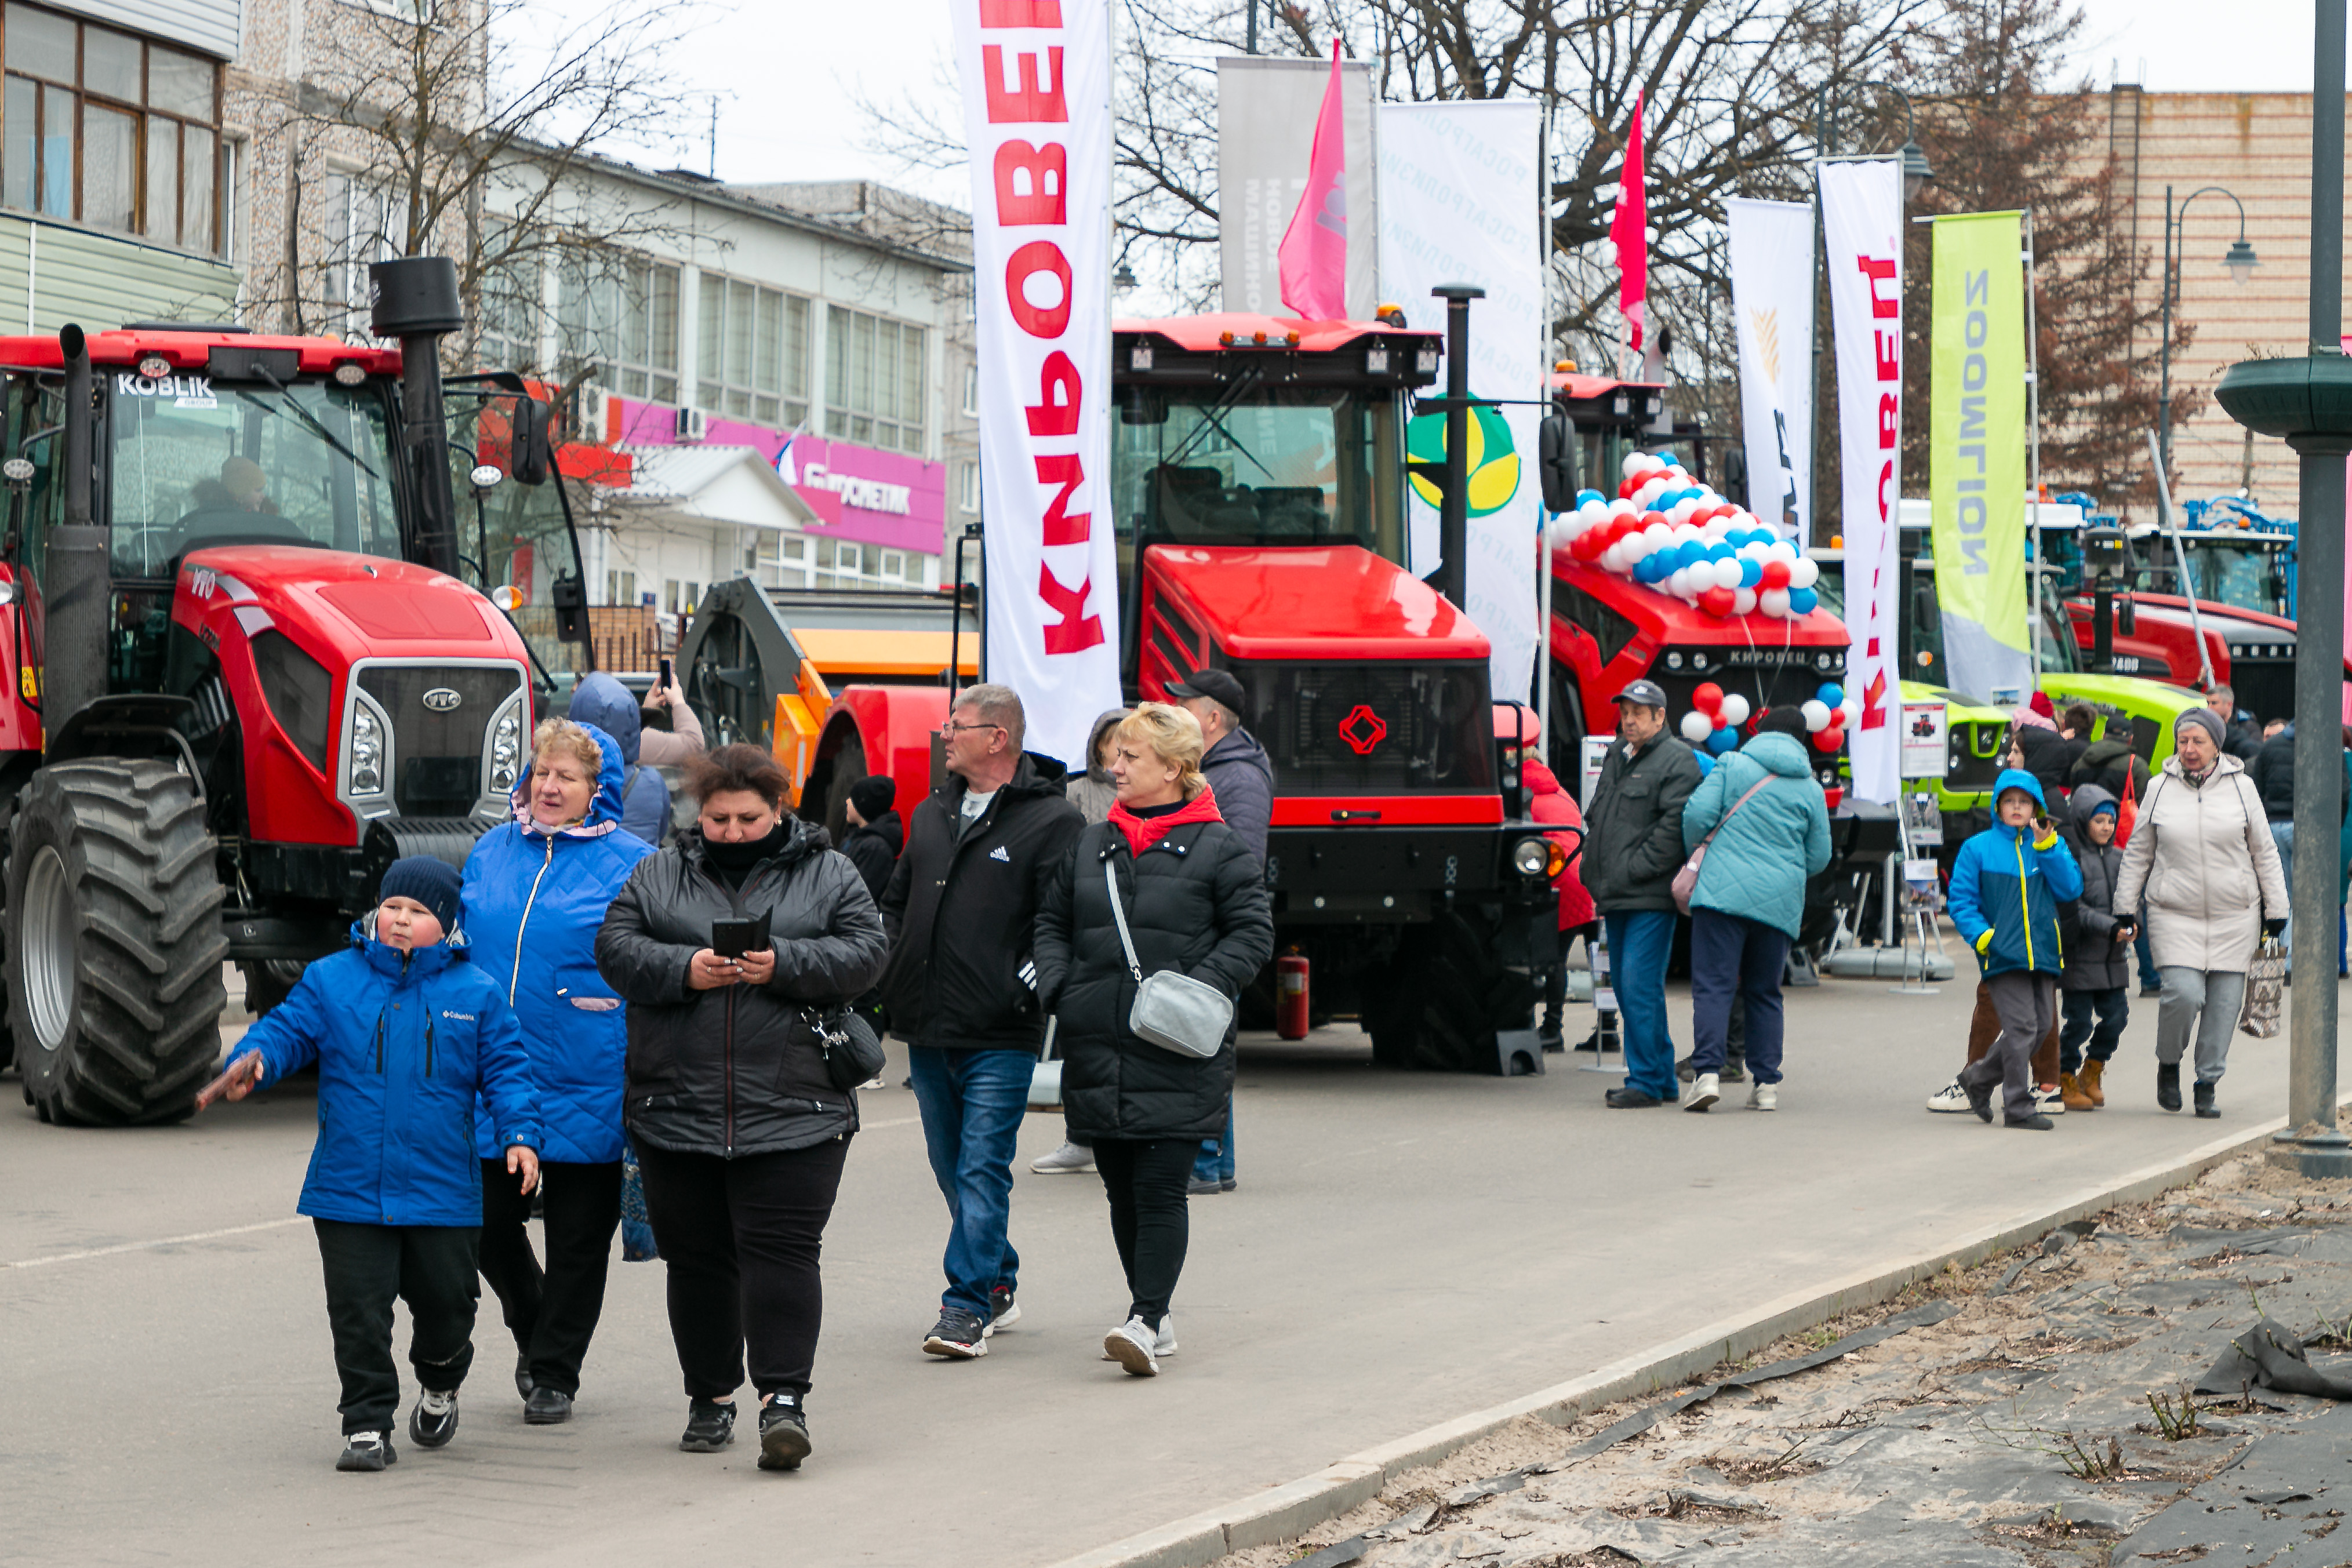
1439	1002
114	942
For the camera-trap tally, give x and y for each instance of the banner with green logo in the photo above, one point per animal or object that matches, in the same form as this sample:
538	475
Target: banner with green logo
1976	453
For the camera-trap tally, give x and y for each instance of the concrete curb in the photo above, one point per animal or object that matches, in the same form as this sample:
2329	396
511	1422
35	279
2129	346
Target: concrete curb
1283	1511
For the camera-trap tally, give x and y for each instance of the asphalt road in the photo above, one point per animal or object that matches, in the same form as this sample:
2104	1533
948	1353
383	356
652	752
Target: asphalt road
1403	1250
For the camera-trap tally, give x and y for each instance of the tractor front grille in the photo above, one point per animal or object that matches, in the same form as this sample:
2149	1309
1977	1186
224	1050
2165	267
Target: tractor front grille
1372	728
435	749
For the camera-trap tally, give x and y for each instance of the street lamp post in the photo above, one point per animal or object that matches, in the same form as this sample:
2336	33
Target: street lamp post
2240	261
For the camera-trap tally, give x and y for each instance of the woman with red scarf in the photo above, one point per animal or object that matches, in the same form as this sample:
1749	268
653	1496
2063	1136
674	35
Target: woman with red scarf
1194	900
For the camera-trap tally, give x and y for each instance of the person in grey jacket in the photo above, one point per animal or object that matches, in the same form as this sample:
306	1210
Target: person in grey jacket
601	701
1093	790
1632	847
2097	976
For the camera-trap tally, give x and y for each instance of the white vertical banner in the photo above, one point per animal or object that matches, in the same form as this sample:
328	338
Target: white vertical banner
1457	199
1772	298
1861	250
1037	88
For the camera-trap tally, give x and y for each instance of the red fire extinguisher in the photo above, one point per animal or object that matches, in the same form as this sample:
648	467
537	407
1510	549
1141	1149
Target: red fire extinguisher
1290	995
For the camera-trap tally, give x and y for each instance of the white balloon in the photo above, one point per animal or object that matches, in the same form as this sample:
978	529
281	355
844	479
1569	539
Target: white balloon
1735	709
1816	712
1804	572
1848	714
1743	600
1774	602
1727	574
1679	583
1696	727
1783	550
1622	507
1632	464
1657	537
1681	510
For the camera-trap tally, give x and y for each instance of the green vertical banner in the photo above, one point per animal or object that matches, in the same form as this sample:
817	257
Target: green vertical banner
1976	453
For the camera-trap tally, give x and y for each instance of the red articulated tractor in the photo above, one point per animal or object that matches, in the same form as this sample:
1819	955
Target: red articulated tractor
259	656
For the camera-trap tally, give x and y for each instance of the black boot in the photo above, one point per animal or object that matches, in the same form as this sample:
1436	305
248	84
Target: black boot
2168	1085
2205	1107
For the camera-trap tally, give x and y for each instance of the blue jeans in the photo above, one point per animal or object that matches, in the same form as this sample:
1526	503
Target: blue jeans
1639	941
2148	979
2112	1009
1216	1158
2283	835
1731	954
971	1103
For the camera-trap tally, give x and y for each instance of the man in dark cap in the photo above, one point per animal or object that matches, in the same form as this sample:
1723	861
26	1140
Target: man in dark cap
876	832
1632	847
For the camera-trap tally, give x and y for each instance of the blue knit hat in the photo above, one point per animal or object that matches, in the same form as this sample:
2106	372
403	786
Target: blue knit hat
431	881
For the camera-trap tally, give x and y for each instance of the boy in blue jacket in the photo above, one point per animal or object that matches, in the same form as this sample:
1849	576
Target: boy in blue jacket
2006	884
406	1033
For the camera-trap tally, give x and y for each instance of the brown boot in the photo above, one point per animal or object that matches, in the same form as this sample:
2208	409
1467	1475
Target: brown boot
2089	1081
2071	1091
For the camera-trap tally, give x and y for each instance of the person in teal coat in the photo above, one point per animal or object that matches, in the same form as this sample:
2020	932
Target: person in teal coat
1771	831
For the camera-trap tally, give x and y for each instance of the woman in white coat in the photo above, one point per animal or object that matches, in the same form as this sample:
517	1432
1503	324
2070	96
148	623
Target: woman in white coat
2203	864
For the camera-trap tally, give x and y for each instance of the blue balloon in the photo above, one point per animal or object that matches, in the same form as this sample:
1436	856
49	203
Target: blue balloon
1690	553
1584	496
1802	601
1719	551
1723	739
1751	571
1652	567
1831	694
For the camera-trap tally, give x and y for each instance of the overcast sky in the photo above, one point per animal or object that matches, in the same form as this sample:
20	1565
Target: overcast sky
784	74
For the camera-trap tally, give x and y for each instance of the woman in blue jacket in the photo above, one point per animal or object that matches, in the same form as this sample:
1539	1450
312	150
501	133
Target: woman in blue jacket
535	893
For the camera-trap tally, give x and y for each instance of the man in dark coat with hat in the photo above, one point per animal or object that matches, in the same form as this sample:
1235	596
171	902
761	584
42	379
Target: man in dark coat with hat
876	832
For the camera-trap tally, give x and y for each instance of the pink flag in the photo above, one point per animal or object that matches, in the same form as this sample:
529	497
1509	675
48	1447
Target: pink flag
1314	252
1630	229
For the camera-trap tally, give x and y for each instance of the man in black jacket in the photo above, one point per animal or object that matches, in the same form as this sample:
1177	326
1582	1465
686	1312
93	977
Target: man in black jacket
1632	847
875	832
961	989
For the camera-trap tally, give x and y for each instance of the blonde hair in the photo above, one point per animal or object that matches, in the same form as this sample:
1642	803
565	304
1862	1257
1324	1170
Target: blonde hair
1174	736
563	736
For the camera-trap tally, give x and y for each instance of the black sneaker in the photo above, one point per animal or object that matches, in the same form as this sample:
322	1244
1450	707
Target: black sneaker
1589	1042
2205	1107
2037	1123
435	1420
1630	1100
547	1408
1548	1036
783	1433
2151	991
1733	1072
1687	1070
2168	1085
367	1451
709	1427
1202	1187
1980	1100
523	1385
1004	1312
958	1335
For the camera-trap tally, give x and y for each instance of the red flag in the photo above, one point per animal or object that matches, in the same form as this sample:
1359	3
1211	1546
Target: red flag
1630	229
1314	252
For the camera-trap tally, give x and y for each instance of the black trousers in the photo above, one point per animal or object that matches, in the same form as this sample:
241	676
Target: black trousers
741	1238
551	1312
1556	980
1150	1223
430	1267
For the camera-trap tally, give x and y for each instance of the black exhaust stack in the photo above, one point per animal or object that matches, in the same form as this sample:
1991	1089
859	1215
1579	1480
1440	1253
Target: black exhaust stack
414	299
1453	572
74	583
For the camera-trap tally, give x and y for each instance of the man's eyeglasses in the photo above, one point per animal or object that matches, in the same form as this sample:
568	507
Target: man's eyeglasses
951	727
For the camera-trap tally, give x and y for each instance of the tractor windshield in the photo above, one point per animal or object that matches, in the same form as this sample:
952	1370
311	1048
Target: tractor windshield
198	463
2227	572
1261	465
510	534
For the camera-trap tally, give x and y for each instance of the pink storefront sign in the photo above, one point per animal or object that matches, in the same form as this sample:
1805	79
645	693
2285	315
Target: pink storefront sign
875	498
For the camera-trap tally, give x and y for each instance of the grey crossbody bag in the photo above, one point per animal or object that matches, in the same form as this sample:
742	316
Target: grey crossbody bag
1172	1010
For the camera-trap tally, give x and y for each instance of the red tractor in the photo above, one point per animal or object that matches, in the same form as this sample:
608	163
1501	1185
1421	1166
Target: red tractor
257	657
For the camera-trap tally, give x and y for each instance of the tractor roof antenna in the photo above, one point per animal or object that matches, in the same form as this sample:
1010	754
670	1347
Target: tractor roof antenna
714	136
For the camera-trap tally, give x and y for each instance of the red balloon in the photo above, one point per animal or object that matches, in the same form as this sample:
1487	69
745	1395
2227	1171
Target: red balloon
1717	601
1776	574
1829	740
1625	491
1720	722
1652	519
1709	696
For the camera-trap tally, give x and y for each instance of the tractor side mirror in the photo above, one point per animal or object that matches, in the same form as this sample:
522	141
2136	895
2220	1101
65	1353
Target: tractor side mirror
533	455
1734	475
571	600
2127	618
1556	462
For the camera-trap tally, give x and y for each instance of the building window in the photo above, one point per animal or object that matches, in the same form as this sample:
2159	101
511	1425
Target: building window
874	381
971	391
753	345
616	320
894	566
511	302
968	487
360	222
108	129
620	587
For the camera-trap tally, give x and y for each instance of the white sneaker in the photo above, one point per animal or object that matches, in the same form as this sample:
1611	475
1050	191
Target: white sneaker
1764	1097
1704	1091
1067	1160
1163	1344
1950	1097
2048	1100
1131	1345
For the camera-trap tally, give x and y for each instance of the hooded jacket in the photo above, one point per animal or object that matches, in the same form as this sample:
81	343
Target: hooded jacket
2046	753
1241	774
2008	883
534	899
1634	831
961	912
2203	864
2094	962
2272	772
1554	806
604	702
874	851
2103	763
405	1043
1093	791
1757	866
1196	902
738	1069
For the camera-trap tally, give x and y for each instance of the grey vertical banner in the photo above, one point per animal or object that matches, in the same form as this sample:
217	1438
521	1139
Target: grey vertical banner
1266	133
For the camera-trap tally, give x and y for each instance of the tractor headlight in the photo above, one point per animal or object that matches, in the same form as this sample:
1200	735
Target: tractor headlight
367	753
506	751
1531	857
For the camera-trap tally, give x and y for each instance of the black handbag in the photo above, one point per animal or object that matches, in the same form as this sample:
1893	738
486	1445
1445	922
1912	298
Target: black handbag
853	1051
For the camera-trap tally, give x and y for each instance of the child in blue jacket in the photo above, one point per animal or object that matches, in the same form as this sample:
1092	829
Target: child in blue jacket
2006	884
406	1032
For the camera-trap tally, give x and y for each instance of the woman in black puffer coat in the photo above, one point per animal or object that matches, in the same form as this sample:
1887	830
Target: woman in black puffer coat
1195	902
739	1130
